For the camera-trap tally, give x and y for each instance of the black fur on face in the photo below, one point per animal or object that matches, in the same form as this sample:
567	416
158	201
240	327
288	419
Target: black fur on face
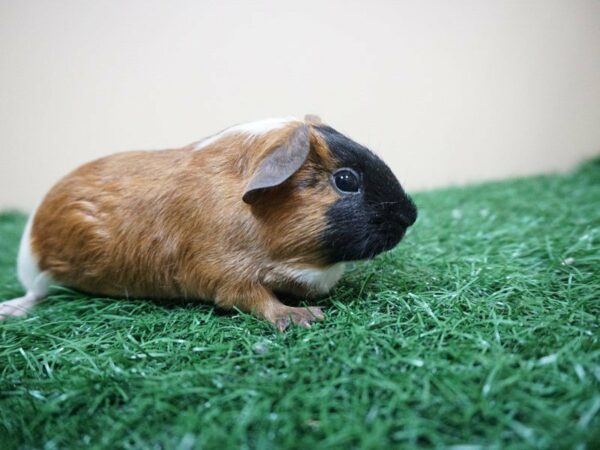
362	224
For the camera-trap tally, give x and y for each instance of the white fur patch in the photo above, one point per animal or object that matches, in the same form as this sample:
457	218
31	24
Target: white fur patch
251	129
35	282
321	281
27	268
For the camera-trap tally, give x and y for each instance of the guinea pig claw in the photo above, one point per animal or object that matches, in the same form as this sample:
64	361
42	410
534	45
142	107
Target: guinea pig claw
282	324
316	312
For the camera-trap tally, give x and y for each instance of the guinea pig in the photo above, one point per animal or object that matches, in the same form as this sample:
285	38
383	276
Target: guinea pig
257	211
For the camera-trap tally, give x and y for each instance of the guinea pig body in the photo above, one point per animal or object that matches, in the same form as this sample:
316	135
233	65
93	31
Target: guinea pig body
269	207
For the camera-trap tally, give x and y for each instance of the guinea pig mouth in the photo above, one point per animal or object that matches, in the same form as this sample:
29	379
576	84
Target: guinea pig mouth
379	241
386	241
348	238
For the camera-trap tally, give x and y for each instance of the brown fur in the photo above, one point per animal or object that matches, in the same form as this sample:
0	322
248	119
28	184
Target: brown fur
171	224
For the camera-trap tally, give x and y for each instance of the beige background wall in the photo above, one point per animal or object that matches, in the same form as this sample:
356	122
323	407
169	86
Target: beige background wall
447	91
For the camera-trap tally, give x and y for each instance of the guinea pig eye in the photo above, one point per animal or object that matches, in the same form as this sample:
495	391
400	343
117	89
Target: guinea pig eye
346	180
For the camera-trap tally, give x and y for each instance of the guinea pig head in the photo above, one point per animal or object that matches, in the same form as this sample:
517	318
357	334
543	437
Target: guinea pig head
321	198
372	212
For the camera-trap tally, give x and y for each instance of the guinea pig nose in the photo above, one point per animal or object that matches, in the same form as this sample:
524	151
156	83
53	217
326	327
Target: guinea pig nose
408	213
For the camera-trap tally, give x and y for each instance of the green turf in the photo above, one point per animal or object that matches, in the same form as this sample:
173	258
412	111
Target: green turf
480	331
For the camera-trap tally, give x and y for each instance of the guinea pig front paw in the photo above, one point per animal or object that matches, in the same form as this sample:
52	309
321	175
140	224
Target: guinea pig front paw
283	316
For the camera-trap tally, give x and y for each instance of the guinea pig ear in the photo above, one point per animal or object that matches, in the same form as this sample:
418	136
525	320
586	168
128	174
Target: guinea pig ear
313	119
281	163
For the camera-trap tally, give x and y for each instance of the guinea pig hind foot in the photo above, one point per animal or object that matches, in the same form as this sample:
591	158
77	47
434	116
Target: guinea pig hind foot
20	306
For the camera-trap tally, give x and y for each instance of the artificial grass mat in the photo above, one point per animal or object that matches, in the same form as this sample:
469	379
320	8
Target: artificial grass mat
480	331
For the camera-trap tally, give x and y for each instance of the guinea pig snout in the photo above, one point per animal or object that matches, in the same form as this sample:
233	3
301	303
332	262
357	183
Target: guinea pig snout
407	213
398	215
